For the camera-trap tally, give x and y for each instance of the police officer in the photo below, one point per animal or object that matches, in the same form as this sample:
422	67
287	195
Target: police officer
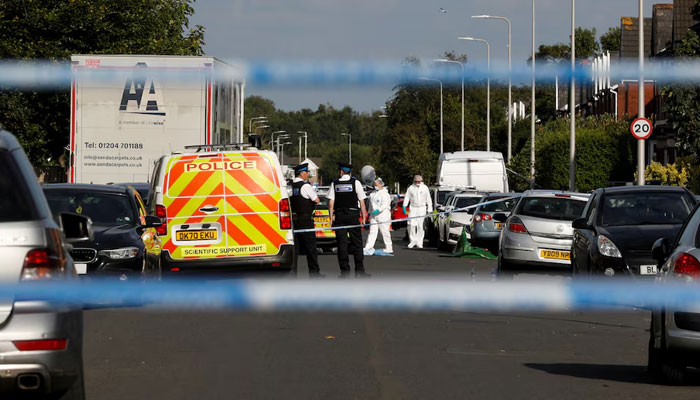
303	202
346	205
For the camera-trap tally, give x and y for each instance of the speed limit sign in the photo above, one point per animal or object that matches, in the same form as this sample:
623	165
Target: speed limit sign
641	128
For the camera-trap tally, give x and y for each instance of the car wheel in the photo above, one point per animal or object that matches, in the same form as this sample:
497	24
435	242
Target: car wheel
505	269
661	364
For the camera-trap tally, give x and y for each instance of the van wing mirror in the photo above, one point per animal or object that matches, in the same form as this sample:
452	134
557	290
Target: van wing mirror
500	217
660	250
152	222
76	227
580	223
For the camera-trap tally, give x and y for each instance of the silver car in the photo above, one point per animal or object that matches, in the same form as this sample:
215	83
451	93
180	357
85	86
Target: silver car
484	229
674	335
538	232
40	344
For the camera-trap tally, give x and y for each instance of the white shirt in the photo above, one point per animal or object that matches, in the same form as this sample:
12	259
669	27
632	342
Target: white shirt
419	196
307	191
380	200
358	188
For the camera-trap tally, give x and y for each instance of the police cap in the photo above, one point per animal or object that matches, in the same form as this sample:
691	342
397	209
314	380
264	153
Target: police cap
344	167
301	168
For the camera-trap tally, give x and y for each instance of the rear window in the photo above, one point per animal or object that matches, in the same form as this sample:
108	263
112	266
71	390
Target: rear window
105	209
15	202
645	208
500	206
558	208
466	201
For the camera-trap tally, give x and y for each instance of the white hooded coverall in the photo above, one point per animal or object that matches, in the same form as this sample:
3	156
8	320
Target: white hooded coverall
418	198
380	200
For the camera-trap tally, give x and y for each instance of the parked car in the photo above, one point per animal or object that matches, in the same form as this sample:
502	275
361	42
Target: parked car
620	225
126	244
674	334
40	345
538	232
325	240
451	225
397	213
484	229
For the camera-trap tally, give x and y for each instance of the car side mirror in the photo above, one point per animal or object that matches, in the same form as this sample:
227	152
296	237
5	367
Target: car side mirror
470	211
580	223
76	227
500	217
152	222
660	250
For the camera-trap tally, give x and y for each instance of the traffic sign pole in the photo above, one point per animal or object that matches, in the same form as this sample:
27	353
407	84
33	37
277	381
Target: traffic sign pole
640	98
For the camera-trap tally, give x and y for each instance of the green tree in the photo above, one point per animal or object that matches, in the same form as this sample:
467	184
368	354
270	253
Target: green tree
586	44
610	41
55	29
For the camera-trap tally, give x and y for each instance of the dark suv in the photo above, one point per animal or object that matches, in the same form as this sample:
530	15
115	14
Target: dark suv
126	244
620	224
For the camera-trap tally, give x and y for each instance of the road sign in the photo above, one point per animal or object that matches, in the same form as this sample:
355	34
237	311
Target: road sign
641	128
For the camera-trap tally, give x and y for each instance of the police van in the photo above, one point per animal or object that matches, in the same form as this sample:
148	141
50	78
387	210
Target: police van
222	209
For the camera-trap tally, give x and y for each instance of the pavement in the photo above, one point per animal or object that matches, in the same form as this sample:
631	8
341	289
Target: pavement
144	353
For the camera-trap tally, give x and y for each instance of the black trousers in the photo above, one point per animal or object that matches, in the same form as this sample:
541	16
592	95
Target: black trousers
305	242
349	241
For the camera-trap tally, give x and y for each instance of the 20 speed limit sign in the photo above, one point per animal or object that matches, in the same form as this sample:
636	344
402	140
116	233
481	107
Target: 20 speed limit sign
641	128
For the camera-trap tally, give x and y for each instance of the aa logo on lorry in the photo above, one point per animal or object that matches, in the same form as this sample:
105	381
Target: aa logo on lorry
140	95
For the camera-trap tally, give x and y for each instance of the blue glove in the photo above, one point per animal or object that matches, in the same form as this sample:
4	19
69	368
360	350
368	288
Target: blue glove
404	210
375	212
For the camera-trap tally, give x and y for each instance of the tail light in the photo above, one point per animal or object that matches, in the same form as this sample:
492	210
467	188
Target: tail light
482	217
41	264
162	213
42	344
516	225
686	264
285	214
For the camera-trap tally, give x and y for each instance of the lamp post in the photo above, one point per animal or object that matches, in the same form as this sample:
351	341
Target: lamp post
285	136
260	127
282	152
510	105
532	106
349	135
461	65
306	143
250	122
440	82
641	179
488	88
272	139
572	103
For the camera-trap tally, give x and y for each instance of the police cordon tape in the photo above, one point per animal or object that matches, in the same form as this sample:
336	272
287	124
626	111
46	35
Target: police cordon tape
415	295
431	215
37	74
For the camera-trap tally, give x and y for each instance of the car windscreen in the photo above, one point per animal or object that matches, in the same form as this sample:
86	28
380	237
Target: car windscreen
466	201
323	203
500	206
645	208
105	209
442	196
558	208
16	202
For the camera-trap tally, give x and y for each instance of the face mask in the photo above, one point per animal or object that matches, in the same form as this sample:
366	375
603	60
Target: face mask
376	188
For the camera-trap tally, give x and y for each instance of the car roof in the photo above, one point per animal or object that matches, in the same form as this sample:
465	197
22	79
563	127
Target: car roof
468	194
544	193
87	187
645	188
8	141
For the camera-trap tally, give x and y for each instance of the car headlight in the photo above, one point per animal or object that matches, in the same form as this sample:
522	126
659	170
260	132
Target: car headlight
120	254
608	248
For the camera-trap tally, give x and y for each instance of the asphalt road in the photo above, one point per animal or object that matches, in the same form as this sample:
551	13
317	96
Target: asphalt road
149	354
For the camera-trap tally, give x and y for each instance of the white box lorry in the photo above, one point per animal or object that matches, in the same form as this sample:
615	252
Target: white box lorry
129	110
483	171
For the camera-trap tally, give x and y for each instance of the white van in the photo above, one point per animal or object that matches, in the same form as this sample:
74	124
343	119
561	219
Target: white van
484	171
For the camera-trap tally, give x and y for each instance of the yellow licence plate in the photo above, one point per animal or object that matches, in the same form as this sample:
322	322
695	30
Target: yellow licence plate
194	235
499	225
555	254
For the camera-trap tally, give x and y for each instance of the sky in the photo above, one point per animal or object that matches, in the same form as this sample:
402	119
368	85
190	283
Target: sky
385	30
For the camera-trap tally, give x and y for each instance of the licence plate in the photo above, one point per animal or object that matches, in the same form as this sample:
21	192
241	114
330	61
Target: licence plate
499	225
647	269
555	254
81	269
194	235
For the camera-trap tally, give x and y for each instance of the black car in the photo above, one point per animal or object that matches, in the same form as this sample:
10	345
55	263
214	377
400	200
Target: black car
620	224
125	245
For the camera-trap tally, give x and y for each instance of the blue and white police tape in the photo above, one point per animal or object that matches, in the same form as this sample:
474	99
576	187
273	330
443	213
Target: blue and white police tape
358	295
430	215
41	74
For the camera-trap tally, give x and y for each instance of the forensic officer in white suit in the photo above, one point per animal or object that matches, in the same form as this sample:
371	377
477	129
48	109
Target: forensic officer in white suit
380	203
420	203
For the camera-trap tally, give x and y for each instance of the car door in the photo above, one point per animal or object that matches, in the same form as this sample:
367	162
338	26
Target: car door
584	239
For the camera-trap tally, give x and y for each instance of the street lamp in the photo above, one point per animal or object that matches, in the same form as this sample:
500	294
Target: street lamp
440	82
572	103
510	106
250	122
488	88
532	106
260	127
641	179
306	143
272	139
285	136
443	60
282	152
349	135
